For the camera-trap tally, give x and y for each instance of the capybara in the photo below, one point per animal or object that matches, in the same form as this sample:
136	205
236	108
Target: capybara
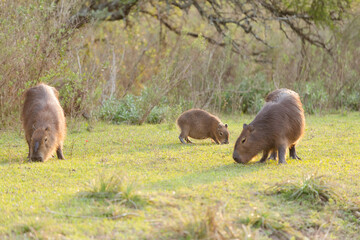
44	123
278	125
199	124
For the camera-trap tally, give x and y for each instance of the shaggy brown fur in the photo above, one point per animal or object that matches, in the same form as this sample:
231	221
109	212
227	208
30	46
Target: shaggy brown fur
199	124
279	125
44	123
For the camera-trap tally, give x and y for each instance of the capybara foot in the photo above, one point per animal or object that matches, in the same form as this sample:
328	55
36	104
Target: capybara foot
60	154
293	154
182	140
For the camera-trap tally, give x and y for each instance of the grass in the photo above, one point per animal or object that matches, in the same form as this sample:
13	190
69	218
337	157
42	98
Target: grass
114	188
173	186
312	188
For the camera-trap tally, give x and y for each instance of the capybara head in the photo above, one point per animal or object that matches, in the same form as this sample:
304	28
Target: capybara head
42	144
223	133
247	145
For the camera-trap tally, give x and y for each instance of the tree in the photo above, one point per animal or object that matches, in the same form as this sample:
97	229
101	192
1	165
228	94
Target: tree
229	18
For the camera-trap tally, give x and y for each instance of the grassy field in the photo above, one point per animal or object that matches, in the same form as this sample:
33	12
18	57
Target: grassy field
139	182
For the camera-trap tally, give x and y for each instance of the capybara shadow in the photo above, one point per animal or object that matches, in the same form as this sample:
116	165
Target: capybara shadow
279	125
44	123
199	124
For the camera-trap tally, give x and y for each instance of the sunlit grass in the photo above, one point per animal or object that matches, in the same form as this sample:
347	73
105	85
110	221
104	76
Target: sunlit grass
140	182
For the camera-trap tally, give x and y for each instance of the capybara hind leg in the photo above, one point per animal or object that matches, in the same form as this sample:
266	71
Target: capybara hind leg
273	155
281	153
59	153
293	154
181	139
264	157
188	140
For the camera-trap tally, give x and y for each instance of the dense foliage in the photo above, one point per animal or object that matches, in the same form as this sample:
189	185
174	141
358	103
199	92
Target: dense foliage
217	55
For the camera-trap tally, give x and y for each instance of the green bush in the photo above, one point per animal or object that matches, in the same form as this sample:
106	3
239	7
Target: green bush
131	109
247	96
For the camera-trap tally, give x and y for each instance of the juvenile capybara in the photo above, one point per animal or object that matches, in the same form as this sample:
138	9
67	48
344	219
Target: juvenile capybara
199	124
278	125
44	123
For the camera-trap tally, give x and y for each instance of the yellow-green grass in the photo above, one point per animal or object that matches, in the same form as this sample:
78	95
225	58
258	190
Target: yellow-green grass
179	184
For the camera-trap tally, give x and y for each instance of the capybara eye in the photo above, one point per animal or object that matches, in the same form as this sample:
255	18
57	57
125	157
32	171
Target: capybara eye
243	140
220	133
45	139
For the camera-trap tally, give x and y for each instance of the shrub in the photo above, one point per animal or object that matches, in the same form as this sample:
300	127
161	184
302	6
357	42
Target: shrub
130	109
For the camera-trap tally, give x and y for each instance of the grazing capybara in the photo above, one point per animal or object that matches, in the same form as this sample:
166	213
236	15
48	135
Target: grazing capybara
278	125
199	124
44	123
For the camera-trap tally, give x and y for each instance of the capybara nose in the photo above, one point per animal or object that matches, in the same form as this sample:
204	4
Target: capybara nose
236	157
37	159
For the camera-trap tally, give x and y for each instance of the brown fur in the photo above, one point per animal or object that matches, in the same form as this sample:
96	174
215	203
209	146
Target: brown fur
199	124
44	123
279	125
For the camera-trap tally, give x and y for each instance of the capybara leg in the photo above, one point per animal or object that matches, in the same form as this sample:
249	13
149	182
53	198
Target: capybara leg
181	139
273	155
216	141
188	140
281	153
293	154
29	153
59	153
264	157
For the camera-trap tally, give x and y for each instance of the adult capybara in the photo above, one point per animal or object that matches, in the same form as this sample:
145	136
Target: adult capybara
199	124
278	125
44	123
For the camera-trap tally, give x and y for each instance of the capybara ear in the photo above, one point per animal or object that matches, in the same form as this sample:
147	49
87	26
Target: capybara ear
226	125
251	128
33	127
245	125
55	91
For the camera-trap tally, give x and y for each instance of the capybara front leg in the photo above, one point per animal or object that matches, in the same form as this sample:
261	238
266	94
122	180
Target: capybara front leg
273	155
29	152
59	153
181	139
188	140
293	154
215	140
264	157
281	154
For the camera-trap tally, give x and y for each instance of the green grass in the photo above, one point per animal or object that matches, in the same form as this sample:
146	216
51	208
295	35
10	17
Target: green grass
173	186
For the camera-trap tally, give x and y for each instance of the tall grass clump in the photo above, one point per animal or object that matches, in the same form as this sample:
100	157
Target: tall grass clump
114	188
271	226
211	225
312	188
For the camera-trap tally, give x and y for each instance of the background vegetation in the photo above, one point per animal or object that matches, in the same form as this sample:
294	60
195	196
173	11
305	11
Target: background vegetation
146	61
